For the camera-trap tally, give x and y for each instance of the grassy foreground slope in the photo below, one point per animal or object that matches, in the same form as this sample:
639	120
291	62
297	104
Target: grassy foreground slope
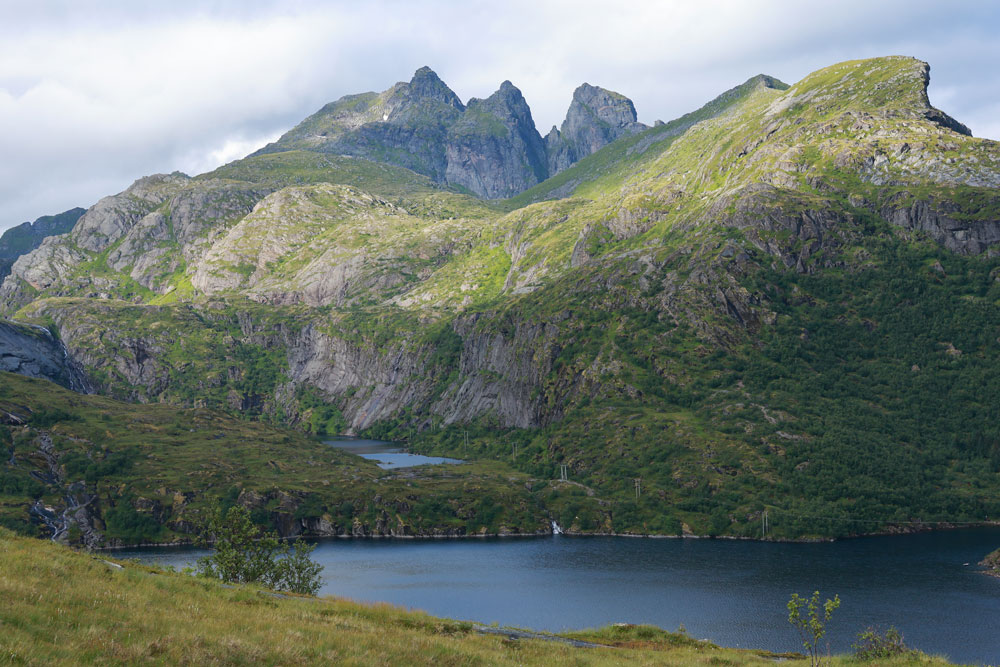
64	607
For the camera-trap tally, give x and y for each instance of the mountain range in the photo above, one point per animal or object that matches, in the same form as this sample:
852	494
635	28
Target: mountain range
784	301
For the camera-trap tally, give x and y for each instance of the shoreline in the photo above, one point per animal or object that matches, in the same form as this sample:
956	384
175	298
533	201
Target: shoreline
538	534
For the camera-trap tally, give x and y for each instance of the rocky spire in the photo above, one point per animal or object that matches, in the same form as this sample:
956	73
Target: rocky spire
595	118
494	149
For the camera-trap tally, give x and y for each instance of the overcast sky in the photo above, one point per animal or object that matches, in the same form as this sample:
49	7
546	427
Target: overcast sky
96	94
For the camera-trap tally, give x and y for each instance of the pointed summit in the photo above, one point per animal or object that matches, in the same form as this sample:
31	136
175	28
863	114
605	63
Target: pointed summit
494	149
426	84
595	118
607	106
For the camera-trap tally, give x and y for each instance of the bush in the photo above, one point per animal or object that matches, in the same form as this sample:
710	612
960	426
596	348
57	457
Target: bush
245	554
871	644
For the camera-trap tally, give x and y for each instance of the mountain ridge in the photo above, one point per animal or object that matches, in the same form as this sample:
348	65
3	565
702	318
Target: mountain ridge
729	306
488	146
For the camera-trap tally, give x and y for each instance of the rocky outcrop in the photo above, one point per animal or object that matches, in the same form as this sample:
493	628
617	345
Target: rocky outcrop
49	264
52	264
112	217
992	563
35	352
189	219
942	221
493	149
27	236
155	227
335	245
595	118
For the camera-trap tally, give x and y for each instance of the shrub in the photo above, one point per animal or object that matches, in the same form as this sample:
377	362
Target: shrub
871	644
45	417
246	554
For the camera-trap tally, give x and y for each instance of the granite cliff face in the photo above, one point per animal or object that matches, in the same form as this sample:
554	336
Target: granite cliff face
595	118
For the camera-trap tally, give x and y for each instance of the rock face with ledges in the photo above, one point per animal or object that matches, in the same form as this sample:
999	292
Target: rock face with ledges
112	217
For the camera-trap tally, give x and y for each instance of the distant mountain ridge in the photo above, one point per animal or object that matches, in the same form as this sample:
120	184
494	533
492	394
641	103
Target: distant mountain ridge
489	147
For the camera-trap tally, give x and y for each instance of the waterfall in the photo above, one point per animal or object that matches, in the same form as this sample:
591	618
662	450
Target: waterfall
556	530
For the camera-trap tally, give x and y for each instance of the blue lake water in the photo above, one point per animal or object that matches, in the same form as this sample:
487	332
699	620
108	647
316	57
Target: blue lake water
388	455
732	592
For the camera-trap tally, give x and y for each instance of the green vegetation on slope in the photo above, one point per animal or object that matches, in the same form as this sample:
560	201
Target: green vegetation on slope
870	401
155	472
609	166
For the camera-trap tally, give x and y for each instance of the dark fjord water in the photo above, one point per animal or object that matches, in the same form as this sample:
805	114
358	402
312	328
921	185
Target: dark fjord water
732	592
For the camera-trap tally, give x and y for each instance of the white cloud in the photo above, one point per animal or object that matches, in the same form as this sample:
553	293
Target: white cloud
94	94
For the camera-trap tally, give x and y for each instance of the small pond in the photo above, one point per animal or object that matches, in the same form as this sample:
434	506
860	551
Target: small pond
388	455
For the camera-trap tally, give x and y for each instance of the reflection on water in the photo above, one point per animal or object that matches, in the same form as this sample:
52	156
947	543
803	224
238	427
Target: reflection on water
388	455
732	592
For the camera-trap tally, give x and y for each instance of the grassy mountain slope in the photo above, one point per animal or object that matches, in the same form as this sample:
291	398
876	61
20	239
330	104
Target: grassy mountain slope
791	306
608	166
63	607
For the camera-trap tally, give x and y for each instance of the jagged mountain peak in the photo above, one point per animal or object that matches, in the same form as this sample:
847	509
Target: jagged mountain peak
596	117
509	96
426	84
494	148
595	104
767	81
